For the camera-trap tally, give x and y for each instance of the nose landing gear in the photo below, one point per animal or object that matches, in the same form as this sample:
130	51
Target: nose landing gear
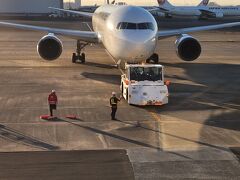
153	59
78	55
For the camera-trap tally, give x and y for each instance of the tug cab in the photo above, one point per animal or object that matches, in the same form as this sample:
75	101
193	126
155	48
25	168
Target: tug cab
144	85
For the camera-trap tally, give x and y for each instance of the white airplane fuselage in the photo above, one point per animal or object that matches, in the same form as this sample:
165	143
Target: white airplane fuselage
185	10
226	10
196	11
128	33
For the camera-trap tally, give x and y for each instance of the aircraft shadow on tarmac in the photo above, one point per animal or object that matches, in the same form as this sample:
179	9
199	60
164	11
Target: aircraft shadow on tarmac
218	89
17	137
57	119
107	78
104	66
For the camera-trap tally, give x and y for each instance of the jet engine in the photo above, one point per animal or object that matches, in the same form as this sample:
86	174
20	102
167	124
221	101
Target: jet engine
50	47
188	48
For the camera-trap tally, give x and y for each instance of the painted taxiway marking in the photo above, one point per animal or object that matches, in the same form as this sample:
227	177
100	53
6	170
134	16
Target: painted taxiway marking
103	141
155	116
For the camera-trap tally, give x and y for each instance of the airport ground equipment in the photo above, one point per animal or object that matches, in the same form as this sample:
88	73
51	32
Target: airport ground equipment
144	85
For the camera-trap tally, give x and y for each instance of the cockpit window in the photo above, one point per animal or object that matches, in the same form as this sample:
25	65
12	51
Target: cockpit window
145	26
142	26
131	26
122	25
139	26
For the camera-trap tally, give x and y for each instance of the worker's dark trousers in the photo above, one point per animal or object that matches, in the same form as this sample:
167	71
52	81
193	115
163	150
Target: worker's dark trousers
51	108
114	110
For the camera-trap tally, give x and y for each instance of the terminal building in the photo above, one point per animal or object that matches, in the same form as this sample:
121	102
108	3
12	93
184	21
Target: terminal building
28	7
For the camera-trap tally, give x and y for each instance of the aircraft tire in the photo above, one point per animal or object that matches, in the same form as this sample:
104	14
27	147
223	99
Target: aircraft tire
74	58
83	58
153	59
148	61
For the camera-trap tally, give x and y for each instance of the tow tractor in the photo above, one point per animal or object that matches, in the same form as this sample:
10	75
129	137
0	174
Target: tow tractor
144	85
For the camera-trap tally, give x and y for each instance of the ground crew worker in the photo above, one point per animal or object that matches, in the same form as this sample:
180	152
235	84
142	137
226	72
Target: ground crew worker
52	101
113	103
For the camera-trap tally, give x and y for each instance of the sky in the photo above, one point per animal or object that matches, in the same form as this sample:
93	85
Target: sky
154	2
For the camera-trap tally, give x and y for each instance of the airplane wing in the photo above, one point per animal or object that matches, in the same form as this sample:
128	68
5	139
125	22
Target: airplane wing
86	14
153	9
86	36
176	32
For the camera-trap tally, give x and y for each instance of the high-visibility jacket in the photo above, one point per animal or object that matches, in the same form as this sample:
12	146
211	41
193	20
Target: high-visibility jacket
114	101
52	98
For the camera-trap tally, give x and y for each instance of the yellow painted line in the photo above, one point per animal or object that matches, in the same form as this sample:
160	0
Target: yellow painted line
155	116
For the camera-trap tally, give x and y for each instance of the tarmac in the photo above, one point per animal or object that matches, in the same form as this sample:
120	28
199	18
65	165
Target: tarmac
195	136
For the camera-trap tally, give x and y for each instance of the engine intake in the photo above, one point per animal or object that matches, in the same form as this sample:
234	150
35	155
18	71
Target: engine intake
188	48
50	47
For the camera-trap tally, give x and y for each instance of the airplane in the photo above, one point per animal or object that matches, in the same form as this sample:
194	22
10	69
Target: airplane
166	7
202	10
221	11
128	33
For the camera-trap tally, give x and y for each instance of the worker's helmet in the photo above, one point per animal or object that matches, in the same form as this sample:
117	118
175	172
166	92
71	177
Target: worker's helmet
113	93
53	91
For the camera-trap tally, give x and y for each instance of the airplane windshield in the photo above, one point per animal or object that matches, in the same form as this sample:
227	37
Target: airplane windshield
146	74
131	26
139	26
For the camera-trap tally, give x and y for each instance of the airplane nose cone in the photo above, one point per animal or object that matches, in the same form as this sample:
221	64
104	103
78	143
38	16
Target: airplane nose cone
138	46
137	37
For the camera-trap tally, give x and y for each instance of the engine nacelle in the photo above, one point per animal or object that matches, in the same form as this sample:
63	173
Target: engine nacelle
188	48
50	47
219	15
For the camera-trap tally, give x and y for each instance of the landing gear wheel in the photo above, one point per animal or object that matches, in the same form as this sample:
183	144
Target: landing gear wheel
78	55
83	58
154	59
148	61
74	58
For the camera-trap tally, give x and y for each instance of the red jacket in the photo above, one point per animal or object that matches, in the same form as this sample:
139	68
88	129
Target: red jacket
52	98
